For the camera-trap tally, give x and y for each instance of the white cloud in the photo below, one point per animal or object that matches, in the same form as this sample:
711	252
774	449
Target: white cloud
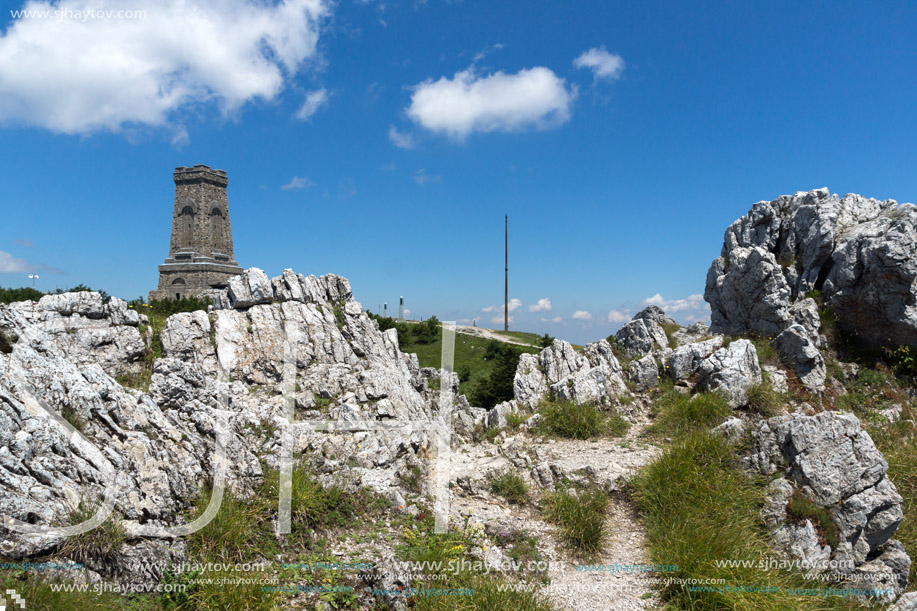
180	139
499	319
24	242
543	305
14	265
693	308
78	76
692	302
618	316
513	305
582	315
314	101
555	319
421	177
604	65
298	183
403	140
466	103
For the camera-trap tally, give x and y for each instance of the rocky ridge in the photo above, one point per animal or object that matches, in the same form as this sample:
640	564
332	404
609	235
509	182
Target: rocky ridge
857	252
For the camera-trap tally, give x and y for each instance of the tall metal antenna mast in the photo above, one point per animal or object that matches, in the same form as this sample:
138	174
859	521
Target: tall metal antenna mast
506	273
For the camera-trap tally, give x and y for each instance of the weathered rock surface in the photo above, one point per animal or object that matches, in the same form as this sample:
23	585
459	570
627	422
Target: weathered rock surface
686	360
731	372
560	372
858	252
641	336
836	465
232	374
88	331
644	373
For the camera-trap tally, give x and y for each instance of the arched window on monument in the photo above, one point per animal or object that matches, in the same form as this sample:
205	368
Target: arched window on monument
178	285
186	228
216	229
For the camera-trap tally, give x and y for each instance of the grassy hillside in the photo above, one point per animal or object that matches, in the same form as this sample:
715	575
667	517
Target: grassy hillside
472	361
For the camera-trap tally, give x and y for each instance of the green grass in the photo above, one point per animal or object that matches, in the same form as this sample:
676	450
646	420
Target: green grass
670	329
532	339
764	400
677	414
800	508
469	357
99	545
420	544
579	421
412	478
581	518
40	597
698	506
75	419
243	531
510	486
767	354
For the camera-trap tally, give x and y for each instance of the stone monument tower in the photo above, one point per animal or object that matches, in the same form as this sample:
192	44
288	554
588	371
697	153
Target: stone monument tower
200	253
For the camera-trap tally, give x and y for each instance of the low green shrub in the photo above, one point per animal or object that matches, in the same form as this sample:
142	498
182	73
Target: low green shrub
699	508
510	486
764	400
579	420
102	544
581	518
670	328
679	414
800	508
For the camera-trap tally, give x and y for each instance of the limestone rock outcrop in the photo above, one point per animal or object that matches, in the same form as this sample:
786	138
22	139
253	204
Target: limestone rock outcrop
644	333
731	372
858	252
87	330
833	462
560	372
70	431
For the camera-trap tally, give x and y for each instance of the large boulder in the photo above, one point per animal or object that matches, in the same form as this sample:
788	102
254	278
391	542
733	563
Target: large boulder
295	342
249	288
731	372
858	252
560	372
88	330
641	336
686	360
834	463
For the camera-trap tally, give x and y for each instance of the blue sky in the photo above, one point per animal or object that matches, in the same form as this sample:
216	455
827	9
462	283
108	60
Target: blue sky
384	141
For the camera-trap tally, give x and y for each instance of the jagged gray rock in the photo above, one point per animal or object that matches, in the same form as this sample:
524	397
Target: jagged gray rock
836	465
655	314
798	351
644	373
560	372
87	330
641	336
293	339
731	371
686	360
858	252
250	288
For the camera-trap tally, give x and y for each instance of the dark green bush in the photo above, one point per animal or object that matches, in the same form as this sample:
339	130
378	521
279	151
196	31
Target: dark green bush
20	294
498	386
